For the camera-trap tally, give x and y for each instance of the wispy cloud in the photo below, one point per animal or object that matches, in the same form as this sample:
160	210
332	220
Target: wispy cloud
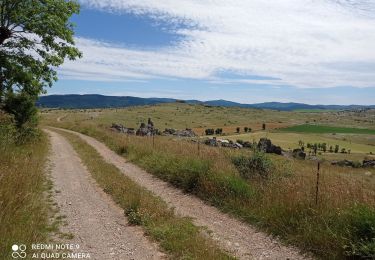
304	43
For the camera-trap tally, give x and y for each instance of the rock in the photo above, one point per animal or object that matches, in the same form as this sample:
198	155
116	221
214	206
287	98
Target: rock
247	144
169	131
266	146
238	145
368	163
347	163
180	133
147	130
211	142
299	154
122	129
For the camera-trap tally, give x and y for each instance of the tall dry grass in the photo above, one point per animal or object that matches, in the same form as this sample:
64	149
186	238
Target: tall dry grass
25	207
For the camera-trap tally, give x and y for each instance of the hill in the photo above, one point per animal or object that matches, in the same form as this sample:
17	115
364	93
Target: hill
100	101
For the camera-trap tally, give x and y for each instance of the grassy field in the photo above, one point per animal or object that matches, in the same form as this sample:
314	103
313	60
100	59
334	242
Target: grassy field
26	211
177	236
282	204
321	129
290	140
198	117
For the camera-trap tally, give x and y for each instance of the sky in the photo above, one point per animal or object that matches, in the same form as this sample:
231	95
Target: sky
248	51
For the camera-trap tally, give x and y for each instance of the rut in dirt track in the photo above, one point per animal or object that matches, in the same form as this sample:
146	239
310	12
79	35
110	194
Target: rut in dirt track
238	238
98	225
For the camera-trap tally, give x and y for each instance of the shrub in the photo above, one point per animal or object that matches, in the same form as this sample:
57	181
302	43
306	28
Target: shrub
209	131
258	164
22	107
219	131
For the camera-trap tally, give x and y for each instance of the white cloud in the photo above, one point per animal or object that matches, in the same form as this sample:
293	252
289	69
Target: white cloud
305	43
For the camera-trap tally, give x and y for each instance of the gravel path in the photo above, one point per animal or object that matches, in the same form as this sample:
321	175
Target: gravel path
97	223
238	238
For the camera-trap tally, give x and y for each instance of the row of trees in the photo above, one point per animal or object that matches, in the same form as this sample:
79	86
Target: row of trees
35	38
219	131
323	147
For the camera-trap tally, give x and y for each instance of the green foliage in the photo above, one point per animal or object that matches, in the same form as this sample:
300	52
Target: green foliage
22	107
35	37
209	131
361	232
258	164
321	129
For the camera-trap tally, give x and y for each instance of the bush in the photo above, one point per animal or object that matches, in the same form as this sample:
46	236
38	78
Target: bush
23	109
258	164
209	131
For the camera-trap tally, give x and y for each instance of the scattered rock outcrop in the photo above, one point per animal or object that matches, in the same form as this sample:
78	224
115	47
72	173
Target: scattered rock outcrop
347	163
147	130
299	154
223	143
122	129
180	133
368	163
266	146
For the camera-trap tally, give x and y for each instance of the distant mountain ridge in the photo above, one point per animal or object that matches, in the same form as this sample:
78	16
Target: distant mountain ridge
100	101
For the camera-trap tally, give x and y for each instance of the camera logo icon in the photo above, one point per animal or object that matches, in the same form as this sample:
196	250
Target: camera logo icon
19	251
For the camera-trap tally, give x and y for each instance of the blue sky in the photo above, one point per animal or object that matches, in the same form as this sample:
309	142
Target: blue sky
316	52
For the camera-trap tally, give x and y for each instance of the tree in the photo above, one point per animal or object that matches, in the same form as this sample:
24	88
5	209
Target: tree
264	126
324	147
36	36
246	129
337	147
219	131
238	129
209	131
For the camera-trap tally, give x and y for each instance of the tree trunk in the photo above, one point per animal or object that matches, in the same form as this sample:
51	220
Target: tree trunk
5	33
2	89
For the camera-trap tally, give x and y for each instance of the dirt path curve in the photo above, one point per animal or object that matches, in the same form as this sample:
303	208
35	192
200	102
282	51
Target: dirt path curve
237	237
98	225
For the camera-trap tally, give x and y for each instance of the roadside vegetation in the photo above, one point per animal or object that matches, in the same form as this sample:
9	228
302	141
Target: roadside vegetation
275	193
25	206
177	236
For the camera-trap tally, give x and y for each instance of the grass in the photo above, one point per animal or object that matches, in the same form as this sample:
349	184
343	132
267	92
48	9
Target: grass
282	204
198	117
321	129
25	192
289	140
176	235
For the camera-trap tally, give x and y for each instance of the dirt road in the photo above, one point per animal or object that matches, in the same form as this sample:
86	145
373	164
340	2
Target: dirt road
237	237
98	225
